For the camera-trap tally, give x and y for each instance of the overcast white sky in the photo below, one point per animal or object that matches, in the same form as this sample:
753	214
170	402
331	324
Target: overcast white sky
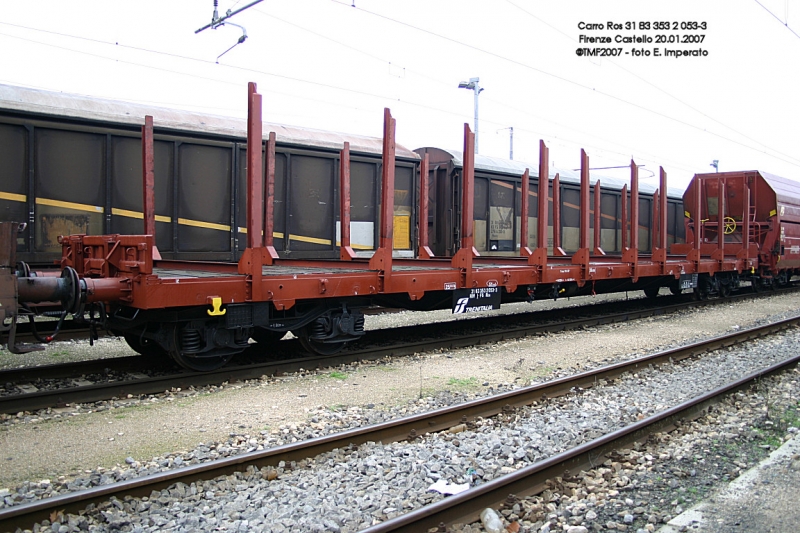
335	65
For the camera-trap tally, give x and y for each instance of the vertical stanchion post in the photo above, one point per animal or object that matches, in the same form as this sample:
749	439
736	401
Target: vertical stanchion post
544	193
463	257
557	250
254	191
149	183
424	251
467	191
581	257
148	177
346	253
598	250
719	253
663	212
252	258
660	223
698	216
382	258
624	219
654	223
524	251
269	213
584	201
539	256
631	255
745	251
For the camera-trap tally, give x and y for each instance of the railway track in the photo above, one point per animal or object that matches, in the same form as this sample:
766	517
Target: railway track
463	507
119	377
100	380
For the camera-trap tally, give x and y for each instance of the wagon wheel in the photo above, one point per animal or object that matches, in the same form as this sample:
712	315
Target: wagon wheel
702	290
144	346
205	362
729	225
317	347
652	291
755	284
724	290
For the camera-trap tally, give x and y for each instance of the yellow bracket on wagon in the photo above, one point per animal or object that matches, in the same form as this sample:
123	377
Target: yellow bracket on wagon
216	303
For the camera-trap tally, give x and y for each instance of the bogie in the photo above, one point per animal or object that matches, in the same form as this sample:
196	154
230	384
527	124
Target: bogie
203	347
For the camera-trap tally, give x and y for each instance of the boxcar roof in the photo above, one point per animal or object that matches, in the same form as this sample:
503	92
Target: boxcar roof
786	191
72	106
517	168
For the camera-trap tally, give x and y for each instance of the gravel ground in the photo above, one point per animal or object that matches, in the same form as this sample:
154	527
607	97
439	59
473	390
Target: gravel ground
642	488
758	500
244	416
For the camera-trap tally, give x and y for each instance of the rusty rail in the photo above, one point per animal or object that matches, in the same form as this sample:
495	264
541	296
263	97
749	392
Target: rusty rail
104	391
465	507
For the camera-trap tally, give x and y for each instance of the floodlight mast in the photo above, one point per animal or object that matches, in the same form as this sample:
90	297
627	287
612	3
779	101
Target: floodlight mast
510	141
472	84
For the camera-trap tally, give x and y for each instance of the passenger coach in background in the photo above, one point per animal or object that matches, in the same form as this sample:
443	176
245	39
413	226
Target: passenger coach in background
497	208
73	164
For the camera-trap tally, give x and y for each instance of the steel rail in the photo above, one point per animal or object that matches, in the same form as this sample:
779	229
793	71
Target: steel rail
131	363
466	507
436	340
409	427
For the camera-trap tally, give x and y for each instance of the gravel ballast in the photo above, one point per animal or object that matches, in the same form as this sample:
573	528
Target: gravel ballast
298	406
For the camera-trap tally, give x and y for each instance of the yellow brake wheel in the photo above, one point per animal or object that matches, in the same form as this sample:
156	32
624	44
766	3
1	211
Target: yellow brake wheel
730	225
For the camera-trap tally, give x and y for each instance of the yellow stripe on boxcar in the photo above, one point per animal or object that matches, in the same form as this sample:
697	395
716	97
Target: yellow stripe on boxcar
70	205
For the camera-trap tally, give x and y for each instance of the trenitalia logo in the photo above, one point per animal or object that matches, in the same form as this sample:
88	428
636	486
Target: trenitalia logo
476	300
461	305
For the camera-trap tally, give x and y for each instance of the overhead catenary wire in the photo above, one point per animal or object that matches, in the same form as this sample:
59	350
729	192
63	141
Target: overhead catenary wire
406	101
785	24
449	84
656	87
330	86
582	143
785	159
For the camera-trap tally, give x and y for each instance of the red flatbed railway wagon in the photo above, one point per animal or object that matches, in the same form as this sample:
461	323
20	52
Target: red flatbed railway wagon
743	214
201	314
